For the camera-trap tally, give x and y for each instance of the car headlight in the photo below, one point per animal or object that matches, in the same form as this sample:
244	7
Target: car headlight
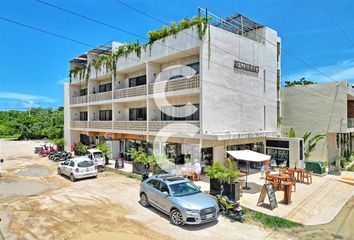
192	211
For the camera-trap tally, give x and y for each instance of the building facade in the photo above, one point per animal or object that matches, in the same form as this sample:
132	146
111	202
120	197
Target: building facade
326	108
217	93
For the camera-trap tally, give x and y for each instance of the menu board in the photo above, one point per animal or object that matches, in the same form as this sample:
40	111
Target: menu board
267	189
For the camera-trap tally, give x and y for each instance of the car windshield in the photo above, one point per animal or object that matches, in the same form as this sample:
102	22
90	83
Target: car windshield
183	189
97	155
85	164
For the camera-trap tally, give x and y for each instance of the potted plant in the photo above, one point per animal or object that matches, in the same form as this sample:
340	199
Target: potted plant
226	177
139	160
105	150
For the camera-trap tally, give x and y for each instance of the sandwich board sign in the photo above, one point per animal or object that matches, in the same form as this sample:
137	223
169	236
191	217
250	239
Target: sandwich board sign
268	189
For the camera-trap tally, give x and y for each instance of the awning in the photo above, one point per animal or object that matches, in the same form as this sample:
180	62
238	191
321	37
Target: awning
248	155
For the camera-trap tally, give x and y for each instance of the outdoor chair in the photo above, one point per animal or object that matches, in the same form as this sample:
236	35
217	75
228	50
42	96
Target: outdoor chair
293	181
308	176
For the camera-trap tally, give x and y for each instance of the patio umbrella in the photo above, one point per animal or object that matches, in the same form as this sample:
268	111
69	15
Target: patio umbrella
249	156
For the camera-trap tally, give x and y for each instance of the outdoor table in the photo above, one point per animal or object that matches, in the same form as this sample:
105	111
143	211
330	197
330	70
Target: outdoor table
299	172
279	178
287	192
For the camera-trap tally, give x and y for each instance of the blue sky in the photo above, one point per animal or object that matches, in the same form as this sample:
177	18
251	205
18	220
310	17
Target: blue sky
34	65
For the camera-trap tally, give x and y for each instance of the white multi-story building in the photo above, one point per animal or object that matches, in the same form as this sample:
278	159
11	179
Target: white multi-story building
220	91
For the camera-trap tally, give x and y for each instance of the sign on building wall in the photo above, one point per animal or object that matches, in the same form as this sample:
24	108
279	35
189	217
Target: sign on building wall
246	66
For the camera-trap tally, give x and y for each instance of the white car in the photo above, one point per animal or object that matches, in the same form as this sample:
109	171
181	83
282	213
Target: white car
77	168
97	157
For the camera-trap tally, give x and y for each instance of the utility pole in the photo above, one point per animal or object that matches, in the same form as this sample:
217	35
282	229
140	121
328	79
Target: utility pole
339	143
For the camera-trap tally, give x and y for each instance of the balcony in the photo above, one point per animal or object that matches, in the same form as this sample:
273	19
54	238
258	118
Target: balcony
100	124
78	100
175	85
102	72
184	127
130	92
100	96
130	126
78	124
350	122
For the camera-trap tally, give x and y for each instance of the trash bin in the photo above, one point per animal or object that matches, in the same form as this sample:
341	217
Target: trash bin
119	163
316	167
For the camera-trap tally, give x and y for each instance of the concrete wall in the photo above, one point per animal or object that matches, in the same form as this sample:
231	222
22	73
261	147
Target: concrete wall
318	109
235	100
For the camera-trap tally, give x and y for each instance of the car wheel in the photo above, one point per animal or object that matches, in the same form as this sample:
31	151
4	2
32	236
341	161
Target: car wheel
72	178
144	200
176	217
59	172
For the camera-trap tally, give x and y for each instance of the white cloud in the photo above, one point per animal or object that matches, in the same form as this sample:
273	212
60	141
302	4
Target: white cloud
30	104
25	97
340	71
61	81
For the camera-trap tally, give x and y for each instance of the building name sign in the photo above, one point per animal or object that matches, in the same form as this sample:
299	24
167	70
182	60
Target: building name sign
246	66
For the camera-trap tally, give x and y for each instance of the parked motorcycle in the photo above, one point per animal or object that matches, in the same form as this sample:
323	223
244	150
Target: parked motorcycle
63	156
229	207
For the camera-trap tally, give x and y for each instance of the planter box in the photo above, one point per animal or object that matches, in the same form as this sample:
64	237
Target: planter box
231	191
138	168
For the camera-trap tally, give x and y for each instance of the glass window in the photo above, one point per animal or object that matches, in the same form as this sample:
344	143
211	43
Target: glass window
105	87
85	164
184	189
163	187
154	183
83	92
195	67
179	114
72	164
137	114
83	116
105	115
137	81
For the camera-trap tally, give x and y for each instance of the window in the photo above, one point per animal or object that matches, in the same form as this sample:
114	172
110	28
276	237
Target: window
66	163
83	92
137	81
177	113
154	183
85	164
105	87
137	114
105	115
195	67
83	116
163	187
72	164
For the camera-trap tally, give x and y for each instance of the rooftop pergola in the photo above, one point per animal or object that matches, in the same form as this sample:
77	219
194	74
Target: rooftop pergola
101	50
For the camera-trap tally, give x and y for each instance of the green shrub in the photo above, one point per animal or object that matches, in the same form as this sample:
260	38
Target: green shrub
59	142
105	149
80	149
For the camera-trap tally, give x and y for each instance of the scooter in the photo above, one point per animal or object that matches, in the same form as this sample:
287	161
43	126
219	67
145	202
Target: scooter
229	207
62	157
146	173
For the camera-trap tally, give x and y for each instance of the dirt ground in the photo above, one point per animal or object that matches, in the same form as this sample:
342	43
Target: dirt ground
36	203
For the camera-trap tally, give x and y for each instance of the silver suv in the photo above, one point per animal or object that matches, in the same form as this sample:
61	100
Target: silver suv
179	198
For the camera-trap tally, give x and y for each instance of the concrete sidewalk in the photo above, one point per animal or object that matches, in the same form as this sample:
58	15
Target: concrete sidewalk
312	204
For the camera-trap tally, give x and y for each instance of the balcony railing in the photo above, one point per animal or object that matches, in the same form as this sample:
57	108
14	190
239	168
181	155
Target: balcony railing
78	124
100	96
178	127
175	85
100	124
130	125
78	100
350	122
130	92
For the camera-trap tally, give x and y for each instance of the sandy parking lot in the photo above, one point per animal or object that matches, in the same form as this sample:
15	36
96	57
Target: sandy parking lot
36	203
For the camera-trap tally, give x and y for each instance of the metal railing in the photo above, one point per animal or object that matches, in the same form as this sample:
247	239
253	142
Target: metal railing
182	127
100	96
100	124
130	125
78	124
130	92
175	85
78	100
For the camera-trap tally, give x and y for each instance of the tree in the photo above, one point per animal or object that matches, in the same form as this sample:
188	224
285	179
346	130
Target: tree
300	82
309	143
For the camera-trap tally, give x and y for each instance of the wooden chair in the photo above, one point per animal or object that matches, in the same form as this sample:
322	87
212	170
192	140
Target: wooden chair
308	176
275	184
293	181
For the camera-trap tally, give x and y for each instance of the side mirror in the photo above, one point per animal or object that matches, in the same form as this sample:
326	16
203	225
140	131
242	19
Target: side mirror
165	194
